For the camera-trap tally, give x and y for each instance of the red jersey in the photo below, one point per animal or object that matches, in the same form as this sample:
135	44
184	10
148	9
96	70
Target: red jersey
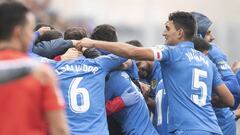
24	101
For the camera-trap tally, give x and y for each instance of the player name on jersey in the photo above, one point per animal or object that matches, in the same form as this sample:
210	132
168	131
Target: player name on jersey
76	68
192	56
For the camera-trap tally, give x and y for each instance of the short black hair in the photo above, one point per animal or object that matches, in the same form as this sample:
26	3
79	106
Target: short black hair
135	43
91	53
12	14
185	21
201	44
104	32
75	33
40	25
49	35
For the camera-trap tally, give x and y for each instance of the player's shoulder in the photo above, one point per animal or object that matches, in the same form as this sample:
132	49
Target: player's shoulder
215	49
104	57
214	44
118	75
163	48
211	65
118	80
84	61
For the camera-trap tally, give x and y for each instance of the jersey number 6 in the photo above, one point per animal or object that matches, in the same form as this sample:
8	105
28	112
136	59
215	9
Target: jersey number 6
73	94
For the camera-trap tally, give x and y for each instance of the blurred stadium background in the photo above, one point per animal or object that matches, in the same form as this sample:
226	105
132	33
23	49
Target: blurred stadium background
142	19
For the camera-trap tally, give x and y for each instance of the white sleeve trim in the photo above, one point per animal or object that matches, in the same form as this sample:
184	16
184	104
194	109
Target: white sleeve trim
157	53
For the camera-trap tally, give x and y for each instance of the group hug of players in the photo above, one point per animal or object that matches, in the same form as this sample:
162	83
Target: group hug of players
110	87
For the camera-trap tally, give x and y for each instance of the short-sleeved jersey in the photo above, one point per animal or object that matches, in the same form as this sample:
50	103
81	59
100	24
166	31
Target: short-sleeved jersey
135	119
24	102
158	93
188	78
82	82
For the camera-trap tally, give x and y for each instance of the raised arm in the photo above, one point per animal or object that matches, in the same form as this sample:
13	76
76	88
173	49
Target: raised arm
118	48
52	48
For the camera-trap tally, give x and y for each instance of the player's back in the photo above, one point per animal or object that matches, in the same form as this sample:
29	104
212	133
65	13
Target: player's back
82	82
22	102
134	120
188	78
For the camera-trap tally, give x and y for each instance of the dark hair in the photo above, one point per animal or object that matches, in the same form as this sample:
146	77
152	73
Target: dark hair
91	53
185	21
200	44
104	32
135	43
49	35
40	25
11	15
75	33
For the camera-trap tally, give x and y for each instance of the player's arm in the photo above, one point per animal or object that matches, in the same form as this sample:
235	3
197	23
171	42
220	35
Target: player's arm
237	113
52	48
115	105
145	89
37	34
52	101
233	87
121	49
150	103
232	84
224	97
118	103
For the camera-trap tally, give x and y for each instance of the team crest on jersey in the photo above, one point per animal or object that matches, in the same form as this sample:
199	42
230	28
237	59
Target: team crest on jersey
153	84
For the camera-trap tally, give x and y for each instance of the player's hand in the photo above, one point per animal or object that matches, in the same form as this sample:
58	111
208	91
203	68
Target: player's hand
70	54
235	66
237	114
43	30
130	98
85	42
145	88
126	65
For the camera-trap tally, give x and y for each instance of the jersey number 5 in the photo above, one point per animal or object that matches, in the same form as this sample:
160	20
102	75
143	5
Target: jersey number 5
197	85
75	92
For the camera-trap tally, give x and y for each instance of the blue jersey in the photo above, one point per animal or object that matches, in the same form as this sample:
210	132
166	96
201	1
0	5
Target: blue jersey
82	82
238	76
133	71
220	59
188	78
134	120
230	80
224	115
232	84
159	95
